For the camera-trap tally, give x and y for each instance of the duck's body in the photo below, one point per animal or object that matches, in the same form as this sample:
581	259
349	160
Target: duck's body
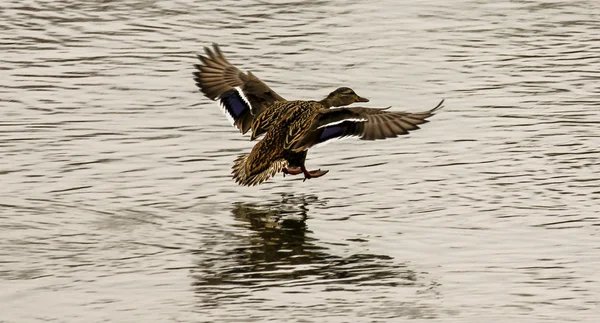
269	156
290	128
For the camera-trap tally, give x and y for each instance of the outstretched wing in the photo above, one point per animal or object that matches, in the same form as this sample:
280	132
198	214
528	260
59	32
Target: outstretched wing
241	96
364	123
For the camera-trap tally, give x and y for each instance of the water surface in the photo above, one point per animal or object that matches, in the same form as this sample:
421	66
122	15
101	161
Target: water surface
117	205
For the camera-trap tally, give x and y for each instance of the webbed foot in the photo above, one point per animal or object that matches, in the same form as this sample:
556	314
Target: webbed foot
291	171
313	173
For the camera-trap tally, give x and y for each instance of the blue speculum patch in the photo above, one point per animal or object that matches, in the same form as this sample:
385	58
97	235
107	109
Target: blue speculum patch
336	131
235	105
331	132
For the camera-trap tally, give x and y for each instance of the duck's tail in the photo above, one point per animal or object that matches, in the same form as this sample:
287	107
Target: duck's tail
250	173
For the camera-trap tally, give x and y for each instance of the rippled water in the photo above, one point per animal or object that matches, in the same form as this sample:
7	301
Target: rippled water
117	205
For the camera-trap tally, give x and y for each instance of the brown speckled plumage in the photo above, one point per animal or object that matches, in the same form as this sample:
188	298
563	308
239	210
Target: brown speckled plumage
268	157
290	128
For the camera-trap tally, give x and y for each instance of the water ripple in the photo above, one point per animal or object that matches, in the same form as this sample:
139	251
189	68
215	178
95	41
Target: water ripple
117	202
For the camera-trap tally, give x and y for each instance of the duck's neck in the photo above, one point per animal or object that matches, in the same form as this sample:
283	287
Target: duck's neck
329	102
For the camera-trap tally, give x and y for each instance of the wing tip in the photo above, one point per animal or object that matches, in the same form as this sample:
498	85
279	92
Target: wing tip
217	49
208	51
438	106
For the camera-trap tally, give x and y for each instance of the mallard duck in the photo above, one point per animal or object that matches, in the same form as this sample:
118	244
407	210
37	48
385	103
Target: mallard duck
290	128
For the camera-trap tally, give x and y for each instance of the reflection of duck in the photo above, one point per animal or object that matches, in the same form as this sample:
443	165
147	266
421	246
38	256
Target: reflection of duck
290	128
279	230
281	249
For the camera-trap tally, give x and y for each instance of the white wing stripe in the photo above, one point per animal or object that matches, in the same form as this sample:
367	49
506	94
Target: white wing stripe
226	113
321	144
340	121
239	90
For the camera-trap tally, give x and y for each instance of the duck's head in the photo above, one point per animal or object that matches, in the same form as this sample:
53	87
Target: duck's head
342	97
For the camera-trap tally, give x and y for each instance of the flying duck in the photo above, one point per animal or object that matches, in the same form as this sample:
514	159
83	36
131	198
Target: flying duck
290	128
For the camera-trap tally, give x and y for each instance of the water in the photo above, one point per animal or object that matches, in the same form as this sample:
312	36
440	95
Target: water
117	205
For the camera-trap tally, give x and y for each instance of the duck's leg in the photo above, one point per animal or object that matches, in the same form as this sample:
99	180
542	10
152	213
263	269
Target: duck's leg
313	173
296	166
291	170
295	159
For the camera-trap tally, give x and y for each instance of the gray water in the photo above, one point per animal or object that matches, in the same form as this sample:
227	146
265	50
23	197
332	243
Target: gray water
116	202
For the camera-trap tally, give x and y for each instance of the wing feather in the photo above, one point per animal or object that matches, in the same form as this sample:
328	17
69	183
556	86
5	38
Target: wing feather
364	123
221	81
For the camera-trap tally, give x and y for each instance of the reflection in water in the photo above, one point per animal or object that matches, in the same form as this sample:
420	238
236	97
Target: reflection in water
280	252
275	255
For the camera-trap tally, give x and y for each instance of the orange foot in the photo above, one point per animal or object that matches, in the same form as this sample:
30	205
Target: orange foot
313	173
291	171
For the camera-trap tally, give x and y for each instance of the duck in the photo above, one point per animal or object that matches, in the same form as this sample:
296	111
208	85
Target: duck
289	128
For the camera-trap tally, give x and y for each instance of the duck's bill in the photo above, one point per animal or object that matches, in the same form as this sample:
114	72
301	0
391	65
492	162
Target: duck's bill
361	99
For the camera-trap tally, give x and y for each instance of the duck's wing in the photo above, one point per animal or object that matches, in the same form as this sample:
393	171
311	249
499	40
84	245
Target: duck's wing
363	123
241	96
